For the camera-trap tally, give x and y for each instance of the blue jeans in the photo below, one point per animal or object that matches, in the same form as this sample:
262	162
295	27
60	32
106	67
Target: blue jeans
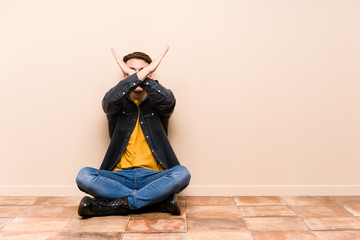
142	186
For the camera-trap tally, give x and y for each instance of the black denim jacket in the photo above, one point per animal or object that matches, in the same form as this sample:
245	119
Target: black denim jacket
122	114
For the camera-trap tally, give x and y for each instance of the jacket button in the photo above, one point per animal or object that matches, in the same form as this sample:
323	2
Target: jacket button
147	136
141	122
123	93
158	90
152	114
123	112
134	83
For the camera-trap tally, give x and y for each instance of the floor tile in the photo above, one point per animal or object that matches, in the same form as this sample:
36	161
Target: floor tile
48	212
260	200
88	236
215	217
349	200
266	211
210	201
17	201
11	211
160	214
36	224
284	224
284	236
156	225
215	224
320	211
58	201
309	200
5	221
243	235
154	236
181	200
333	223
27	235
338	235
354	209
212	212
97	224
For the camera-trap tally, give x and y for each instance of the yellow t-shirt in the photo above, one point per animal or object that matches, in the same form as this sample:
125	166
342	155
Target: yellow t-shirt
137	153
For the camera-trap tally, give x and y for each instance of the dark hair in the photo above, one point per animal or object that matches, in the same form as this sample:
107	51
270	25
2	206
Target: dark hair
137	55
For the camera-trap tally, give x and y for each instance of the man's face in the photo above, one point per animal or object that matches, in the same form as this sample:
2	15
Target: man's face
136	65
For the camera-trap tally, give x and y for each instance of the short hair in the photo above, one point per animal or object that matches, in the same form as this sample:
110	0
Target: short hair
137	55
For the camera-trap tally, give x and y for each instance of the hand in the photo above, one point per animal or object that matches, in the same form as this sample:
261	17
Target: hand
144	73
125	69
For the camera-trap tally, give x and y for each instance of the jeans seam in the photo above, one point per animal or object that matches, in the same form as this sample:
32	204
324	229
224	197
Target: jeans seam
99	173
162	173
148	185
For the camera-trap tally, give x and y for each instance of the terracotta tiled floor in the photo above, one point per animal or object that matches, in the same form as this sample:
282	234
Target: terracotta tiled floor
238	217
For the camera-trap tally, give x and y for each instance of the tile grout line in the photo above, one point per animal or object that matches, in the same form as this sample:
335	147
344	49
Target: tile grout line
123	232
37	200
342	206
27	207
242	217
302	220
186	229
66	223
185	236
13	218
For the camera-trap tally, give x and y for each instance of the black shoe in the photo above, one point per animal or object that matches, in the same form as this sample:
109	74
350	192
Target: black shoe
170	205
89	207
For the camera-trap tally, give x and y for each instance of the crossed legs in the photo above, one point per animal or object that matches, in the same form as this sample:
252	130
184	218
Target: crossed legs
142	187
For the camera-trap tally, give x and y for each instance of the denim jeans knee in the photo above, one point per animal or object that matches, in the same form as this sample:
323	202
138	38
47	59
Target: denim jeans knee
85	177
182	176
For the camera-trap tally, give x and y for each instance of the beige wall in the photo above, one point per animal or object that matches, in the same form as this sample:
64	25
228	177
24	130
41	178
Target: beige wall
267	91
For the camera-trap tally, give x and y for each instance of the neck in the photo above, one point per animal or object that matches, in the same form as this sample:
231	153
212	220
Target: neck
138	95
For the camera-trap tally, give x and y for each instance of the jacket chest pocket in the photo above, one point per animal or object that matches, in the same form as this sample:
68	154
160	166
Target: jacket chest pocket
153	122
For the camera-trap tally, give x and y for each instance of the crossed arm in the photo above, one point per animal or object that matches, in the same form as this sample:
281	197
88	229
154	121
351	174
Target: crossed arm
143	73
164	99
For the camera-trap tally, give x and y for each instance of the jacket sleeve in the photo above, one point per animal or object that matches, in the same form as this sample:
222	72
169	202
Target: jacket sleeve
163	98
112	100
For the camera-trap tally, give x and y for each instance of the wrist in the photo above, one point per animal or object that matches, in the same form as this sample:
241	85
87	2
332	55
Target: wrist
143	74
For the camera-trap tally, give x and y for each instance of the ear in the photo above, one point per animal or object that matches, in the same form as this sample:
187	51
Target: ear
150	75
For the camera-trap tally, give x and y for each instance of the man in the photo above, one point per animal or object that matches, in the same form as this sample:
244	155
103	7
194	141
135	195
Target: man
140	171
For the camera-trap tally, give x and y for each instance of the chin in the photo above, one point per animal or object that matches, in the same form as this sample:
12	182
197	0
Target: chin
138	90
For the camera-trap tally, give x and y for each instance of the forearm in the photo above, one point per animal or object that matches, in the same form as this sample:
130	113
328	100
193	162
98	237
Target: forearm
163	97
143	74
113	98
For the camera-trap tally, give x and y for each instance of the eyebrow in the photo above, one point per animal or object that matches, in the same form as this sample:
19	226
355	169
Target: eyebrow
135	69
